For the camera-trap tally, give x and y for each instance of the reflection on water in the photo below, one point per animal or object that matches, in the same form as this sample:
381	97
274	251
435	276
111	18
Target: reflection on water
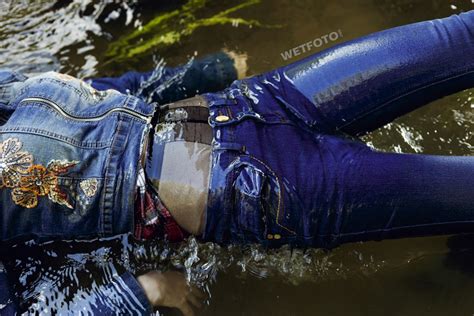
65	276
170	27
405	277
34	33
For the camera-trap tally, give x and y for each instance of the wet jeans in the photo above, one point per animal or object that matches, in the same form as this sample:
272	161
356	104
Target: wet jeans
287	170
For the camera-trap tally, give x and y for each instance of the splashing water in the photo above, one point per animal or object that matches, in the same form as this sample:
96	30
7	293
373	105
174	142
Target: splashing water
148	89
66	276
37	36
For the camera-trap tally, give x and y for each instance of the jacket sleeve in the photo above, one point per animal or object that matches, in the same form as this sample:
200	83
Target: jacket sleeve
9	80
8	306
123	294
210	74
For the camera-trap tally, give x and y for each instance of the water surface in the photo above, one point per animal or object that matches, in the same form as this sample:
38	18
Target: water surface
423	276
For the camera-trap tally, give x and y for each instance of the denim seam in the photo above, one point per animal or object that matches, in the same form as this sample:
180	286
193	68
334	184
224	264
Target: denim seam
123	134
280	193
79	178
133	103
62	117
128	102
45	133
88	116
26	87
402	96
383	230
110	176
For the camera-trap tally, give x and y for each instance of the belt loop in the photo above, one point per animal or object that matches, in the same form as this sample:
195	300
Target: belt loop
228	146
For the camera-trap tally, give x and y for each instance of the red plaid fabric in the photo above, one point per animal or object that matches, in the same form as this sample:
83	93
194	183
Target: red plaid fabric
152	218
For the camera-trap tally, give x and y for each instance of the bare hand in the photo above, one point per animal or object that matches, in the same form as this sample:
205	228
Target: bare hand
171	289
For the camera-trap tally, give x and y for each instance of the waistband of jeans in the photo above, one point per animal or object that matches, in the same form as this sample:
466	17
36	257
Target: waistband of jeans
232	105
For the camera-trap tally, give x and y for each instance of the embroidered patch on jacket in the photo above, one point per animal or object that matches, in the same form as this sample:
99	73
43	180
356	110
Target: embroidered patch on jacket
28	181
13	162
89	187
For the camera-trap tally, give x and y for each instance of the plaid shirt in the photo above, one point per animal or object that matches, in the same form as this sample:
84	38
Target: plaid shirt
152	218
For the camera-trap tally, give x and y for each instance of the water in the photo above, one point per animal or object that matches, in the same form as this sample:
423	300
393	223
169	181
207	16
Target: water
432	276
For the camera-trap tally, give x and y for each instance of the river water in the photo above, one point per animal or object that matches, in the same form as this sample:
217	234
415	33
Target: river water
84	38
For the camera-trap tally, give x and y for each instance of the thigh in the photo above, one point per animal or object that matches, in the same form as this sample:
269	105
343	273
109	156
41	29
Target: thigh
389	195
365	83
288	188
322	190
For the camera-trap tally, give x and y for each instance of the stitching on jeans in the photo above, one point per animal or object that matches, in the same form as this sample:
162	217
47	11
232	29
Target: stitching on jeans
401	96
388	230
280	192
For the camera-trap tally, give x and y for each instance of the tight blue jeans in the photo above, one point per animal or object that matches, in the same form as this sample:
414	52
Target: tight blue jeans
286	168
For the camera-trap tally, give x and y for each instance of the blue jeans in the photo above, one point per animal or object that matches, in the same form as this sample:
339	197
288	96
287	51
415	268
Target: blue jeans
286	168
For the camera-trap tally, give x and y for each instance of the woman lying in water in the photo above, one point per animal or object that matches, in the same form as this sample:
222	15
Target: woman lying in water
272	159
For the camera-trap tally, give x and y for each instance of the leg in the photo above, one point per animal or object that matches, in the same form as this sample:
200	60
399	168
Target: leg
336	190
291	186
399	195
365	83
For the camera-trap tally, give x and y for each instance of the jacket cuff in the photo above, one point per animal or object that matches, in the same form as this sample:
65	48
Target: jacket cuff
137	290
218	69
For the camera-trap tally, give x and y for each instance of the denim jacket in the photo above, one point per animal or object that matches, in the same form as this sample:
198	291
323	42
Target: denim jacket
69	156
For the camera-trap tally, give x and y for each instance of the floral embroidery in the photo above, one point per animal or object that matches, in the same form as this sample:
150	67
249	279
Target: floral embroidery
89	187
28	181
38	180
24	198
13	162
61	166
58	196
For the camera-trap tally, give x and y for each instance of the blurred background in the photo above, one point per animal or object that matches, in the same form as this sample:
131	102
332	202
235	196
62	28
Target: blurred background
85	38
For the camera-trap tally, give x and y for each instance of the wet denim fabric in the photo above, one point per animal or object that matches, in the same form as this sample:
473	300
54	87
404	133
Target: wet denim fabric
83	148
124	293
69	158
286	168
210	74
100	188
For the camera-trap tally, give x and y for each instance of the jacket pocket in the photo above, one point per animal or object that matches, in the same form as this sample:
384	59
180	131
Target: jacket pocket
48	187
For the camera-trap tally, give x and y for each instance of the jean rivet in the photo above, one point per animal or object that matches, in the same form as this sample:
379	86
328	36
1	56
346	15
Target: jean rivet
222	118
269	236
277	236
